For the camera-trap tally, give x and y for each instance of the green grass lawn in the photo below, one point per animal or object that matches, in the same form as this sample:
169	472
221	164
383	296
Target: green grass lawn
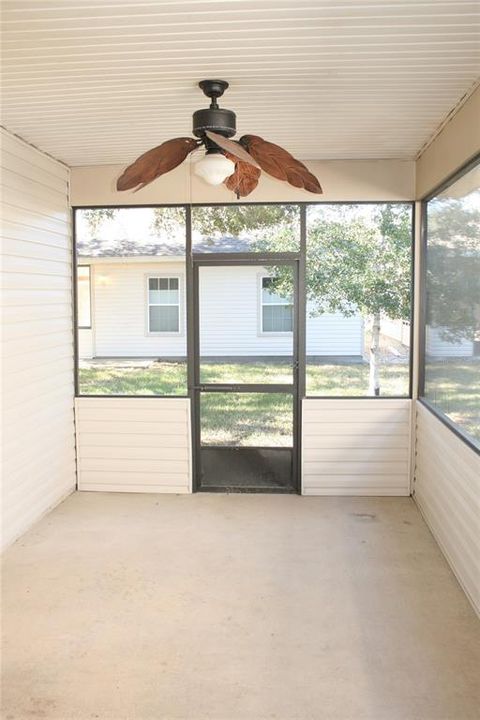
266	419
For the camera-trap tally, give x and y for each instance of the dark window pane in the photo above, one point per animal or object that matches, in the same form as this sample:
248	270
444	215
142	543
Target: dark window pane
452	363
173	283
153	284
163	283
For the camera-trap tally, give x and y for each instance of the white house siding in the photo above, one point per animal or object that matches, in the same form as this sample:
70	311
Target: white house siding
134	444
230	314
37	342
120	311
85	343
437	347
447	491
356	447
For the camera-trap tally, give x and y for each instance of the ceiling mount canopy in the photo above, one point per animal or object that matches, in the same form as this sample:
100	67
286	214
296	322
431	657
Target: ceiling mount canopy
236	163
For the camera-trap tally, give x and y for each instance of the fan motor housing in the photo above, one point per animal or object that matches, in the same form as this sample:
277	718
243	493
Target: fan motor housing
219	120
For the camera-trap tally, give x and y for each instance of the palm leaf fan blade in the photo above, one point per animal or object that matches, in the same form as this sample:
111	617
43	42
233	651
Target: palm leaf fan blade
245	178
156	162
278	162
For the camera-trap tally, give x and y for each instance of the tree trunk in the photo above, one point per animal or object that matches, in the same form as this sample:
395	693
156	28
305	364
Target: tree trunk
374	383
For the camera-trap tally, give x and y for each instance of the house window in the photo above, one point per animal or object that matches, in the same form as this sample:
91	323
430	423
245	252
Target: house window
163	305
83	297
277	311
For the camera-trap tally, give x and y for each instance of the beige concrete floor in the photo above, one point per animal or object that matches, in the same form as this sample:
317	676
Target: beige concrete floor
144	607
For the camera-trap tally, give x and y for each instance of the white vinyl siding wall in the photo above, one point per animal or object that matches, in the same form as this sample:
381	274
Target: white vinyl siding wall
229	316
356	447
437	346
120	314
134	444
37	348
447	491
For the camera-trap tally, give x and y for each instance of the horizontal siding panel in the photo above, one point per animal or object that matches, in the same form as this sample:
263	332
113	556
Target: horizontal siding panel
21	297
36	238
29	217
32	281
42	388
51	207
375	454
15	151
113	442
145	454
127	428
97	486
447	491
36	265
127	403
22	314
129	443
20	347
122	466
355	481
25	169
35	328
352	442
359	491
34	188
372	414
359	468
38	460
360	428
353	404
25	362
357	449
134	416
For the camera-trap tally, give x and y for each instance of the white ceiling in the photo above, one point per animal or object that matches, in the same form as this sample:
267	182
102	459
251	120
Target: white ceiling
101	81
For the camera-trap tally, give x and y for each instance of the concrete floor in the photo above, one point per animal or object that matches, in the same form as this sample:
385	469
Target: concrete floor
148	607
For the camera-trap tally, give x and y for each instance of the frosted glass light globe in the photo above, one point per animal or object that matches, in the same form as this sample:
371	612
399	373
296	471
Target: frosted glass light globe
214	168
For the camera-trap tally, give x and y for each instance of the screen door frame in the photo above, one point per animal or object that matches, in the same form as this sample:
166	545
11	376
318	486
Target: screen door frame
196	388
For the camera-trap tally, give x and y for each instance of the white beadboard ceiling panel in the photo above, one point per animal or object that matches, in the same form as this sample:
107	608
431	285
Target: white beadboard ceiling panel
101	81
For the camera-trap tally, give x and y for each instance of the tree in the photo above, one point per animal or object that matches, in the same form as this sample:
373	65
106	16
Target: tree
357	264
453	267
95	217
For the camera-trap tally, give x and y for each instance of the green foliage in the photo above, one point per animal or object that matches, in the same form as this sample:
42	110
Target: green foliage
167	220
235	220
97	216
453	267
356	263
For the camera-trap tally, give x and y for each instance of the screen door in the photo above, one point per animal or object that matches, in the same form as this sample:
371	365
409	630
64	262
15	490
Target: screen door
245	374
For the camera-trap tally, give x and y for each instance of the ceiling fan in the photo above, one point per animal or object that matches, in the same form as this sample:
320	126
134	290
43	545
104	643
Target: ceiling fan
237	163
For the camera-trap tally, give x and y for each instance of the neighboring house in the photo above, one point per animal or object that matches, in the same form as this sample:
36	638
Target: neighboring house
437	345
131	303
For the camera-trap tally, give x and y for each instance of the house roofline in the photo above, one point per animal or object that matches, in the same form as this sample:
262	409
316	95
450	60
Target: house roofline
128	259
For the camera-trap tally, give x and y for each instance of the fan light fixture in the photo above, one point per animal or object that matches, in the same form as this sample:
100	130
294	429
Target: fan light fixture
214	167
236	163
